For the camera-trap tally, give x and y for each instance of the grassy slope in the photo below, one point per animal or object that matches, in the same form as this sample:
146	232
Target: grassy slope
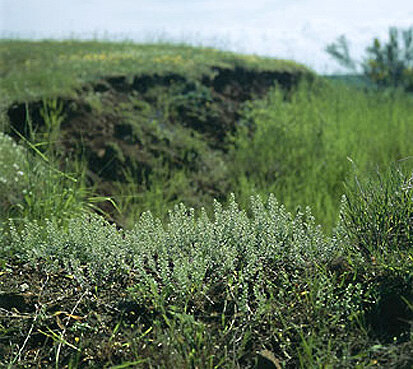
174	120
313	135
32	70
199	292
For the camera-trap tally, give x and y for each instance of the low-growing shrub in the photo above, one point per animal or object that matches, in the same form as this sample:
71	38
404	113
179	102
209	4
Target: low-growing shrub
231	241
208	291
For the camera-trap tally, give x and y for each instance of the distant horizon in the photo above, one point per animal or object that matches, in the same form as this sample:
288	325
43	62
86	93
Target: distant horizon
296	30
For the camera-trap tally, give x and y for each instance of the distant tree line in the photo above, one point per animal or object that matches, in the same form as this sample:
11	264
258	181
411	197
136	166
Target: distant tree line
386	64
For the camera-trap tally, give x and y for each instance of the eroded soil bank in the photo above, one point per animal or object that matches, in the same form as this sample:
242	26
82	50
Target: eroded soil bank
148	128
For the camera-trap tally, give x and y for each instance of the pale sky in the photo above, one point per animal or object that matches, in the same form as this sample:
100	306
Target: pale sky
289	29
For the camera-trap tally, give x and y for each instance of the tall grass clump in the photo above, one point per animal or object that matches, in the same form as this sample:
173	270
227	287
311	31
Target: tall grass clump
377	214
298	145
377	227
33	186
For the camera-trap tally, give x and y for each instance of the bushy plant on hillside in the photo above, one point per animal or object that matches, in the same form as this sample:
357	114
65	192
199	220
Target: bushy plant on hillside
231	241
386	64
193	272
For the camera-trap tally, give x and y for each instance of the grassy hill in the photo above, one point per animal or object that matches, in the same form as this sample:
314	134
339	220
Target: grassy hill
102	266
140	115
35	70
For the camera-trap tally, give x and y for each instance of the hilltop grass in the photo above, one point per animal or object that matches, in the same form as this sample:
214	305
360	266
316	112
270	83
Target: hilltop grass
35	70
164	139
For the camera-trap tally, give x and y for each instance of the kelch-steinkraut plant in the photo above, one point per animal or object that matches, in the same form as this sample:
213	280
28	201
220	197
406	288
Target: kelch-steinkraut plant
247	279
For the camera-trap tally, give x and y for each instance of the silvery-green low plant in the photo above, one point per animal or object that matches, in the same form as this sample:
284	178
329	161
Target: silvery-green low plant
225	285
185	250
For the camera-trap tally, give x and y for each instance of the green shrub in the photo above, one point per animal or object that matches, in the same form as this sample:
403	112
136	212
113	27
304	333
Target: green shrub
386	64
232	241
84	242
256	274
